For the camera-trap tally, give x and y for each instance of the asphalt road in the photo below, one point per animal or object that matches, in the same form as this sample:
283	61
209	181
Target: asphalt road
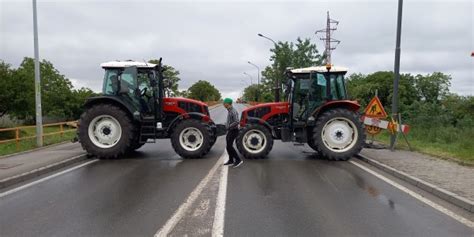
292	193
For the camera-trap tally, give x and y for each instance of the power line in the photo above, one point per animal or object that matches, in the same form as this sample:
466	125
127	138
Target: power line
331	25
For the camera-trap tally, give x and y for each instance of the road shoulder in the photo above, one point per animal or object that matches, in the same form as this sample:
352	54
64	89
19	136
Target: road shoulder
20	167
447	180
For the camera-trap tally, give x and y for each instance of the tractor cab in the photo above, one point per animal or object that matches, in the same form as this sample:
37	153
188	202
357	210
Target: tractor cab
311	87
134	82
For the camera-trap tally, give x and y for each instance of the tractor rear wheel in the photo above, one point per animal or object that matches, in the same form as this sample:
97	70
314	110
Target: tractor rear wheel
254	141
191	139
106	131
338	134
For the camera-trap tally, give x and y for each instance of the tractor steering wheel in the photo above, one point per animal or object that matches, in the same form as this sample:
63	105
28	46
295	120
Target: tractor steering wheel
143	91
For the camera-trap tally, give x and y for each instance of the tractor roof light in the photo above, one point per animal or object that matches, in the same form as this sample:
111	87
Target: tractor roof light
328	66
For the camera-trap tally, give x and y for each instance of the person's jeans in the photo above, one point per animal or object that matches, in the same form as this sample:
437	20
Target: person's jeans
230	138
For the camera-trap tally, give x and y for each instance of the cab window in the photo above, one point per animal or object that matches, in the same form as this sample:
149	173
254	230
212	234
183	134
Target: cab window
110	86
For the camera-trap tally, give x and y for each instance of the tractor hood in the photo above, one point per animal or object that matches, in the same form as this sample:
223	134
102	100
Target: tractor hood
280	105
175	100
266	110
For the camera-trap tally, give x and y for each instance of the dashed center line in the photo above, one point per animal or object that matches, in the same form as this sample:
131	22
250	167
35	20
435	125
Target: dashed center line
184	208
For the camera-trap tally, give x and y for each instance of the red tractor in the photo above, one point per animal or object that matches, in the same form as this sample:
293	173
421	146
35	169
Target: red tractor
132	111
317	112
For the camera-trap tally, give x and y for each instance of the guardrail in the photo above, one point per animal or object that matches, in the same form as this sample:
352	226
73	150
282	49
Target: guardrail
18	138
211	103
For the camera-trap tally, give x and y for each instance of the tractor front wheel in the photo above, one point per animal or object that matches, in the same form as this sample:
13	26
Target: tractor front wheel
338	134
254	141
106	131
191	139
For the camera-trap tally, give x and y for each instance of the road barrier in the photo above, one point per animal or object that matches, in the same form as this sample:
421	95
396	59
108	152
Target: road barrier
18	138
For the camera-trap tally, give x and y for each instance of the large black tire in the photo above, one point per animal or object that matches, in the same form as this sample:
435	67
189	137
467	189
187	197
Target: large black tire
182	148
249	148
106	111
212	136
338	134
312	144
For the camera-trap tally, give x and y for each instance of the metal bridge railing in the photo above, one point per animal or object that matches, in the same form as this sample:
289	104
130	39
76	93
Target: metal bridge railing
64	127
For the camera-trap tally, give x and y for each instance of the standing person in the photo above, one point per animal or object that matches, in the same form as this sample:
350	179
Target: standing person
232	126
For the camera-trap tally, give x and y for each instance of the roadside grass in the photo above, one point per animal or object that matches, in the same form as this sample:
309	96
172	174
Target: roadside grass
443	142
30	143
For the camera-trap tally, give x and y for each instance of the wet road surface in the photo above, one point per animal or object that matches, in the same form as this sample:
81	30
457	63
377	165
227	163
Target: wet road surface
292	193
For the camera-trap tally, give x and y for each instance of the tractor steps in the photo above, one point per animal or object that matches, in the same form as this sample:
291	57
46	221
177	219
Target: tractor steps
148	130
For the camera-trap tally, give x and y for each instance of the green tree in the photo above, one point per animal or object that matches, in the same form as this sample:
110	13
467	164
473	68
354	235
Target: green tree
363	88
79	97
204	91
6	88
433	87
250	93
56	91
303	53
172	76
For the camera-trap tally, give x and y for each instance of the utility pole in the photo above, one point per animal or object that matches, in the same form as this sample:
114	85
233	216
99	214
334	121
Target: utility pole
39	115
393	137
327	38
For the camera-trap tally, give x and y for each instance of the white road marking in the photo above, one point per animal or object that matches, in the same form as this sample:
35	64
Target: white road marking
417	196
219	214
181	211
44	179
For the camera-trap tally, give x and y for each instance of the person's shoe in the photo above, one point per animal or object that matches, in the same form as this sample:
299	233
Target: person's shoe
238	164
229	162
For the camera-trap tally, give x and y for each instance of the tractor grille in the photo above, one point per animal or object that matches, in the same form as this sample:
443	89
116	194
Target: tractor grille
259	112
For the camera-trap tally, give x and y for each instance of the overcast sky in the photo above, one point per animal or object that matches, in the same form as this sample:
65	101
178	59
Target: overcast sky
213	40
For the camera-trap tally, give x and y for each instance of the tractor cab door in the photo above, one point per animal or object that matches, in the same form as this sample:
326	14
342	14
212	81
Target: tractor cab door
145	91
300	99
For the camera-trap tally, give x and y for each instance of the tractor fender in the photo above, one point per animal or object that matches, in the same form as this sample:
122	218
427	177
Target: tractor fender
190	115
263	122
347	104
129	109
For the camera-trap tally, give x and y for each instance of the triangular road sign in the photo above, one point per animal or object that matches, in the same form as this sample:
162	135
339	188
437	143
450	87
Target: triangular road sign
375	109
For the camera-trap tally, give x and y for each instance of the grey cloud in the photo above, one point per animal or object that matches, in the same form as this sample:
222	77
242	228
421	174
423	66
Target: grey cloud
214	40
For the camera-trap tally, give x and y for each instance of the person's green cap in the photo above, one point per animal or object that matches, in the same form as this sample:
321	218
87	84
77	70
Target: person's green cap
228	101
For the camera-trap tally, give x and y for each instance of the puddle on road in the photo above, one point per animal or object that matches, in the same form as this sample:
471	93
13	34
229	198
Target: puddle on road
365	185
372	191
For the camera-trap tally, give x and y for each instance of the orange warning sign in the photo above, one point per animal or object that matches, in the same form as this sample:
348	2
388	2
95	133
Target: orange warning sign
372	130
375	109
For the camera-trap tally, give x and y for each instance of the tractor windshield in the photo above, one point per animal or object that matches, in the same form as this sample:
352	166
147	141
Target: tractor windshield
318	91
310	92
